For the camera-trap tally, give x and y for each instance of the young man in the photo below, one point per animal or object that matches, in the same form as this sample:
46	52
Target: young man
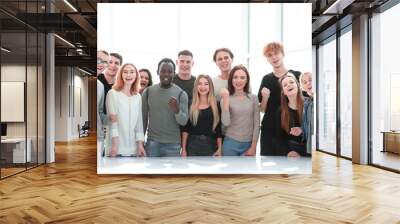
102	60
165	108
108	77
269	96
184	79
223	58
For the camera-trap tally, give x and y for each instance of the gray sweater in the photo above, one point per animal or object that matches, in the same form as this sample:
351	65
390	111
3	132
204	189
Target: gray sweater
161	121
242	119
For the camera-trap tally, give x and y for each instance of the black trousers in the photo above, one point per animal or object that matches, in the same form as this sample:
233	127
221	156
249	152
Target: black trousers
271	145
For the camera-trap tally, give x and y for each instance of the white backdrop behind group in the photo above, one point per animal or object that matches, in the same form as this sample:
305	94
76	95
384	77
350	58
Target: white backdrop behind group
145	33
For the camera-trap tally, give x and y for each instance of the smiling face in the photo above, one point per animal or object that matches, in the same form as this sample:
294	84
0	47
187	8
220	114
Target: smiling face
275	58
289	86
184	64
102	60
144	79
203	87
129	74
239	80
166	73
306	82
223	61
113	66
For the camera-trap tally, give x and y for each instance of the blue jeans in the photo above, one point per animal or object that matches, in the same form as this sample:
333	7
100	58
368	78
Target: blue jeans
157	149
231	147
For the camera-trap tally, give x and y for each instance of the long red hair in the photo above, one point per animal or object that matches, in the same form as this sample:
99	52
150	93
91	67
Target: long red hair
119	82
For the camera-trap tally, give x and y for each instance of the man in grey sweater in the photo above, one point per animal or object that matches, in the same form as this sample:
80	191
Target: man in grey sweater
164	107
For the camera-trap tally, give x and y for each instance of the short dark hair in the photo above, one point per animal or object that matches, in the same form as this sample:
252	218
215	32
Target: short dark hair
103	51
117	56
224	49
165	60
230	79
185	52
148	72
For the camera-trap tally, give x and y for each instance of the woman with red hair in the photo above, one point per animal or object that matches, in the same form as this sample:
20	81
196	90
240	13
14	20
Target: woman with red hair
124	109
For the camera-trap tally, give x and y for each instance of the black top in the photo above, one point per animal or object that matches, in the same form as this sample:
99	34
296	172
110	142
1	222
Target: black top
294	121
271	82
204	125
305	94
107	88
186	85
290	142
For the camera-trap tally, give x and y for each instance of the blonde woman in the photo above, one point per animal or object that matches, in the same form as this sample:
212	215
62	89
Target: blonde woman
202	134
308	110
124	109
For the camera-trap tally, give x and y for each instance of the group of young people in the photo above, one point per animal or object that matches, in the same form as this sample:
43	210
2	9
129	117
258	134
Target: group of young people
185	115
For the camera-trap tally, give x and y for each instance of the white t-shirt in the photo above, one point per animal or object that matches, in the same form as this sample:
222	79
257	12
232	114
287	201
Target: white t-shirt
218	85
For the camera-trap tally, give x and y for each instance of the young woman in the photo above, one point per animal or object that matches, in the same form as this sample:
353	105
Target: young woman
145	79
291	116
124	108
308	110
240	114
202	134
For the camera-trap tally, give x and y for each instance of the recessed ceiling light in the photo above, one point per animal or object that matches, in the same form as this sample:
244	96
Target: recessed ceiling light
64	40
86	72
338	6
5	49
70	5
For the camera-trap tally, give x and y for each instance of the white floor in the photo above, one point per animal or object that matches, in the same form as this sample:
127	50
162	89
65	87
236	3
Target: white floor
203	165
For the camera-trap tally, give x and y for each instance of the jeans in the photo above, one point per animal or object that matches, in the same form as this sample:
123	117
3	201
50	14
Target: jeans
157	149
231	147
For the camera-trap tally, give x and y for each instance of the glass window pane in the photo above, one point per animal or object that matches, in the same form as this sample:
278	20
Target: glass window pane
41	99
32	101
327	97
13	87
385	82
346	94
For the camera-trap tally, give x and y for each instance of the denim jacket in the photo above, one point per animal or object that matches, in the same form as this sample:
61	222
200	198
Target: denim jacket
308	121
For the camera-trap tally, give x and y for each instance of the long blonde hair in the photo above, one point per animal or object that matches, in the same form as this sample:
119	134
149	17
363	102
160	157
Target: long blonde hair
119	82
194	108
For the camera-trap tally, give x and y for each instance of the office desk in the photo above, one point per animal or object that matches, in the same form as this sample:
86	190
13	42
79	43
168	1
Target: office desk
391	141
16	147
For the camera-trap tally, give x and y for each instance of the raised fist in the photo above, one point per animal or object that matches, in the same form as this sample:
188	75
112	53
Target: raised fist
224	93
265	92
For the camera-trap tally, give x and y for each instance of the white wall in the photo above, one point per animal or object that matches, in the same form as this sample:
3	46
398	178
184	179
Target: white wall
244	28
69	85
15	73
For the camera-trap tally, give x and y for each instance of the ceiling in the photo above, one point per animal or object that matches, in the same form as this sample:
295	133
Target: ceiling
76	23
